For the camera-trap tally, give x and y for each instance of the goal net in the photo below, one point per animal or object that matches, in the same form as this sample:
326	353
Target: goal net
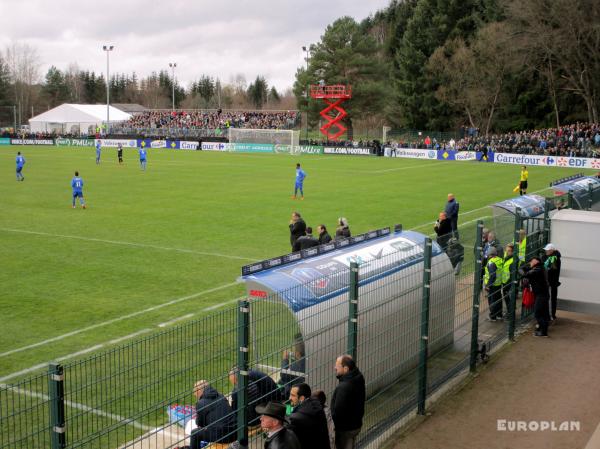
284	140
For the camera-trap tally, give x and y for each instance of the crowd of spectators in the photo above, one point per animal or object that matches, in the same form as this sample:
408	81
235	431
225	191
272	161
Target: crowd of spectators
576	140
217	119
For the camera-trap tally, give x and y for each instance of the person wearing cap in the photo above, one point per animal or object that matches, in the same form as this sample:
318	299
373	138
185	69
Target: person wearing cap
535	273
272	417
343	229
552	265
492	280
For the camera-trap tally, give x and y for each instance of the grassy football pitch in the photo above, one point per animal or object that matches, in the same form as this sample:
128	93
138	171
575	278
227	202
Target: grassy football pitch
168	243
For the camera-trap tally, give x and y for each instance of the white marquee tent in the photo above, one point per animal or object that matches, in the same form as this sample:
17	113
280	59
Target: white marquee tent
75	118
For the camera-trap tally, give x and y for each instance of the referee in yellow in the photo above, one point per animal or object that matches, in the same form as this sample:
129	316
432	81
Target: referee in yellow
523	181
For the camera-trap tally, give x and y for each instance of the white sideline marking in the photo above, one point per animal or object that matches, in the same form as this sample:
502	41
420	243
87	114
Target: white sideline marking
115	320
79	406
40	366
174	320
117	242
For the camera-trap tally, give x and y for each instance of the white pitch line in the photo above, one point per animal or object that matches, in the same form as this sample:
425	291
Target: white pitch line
118	242
79	406
174	320
115	320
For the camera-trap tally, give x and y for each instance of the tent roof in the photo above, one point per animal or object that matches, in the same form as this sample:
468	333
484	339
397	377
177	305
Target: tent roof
82	113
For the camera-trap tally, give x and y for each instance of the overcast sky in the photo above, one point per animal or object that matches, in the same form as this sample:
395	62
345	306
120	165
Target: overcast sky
218	38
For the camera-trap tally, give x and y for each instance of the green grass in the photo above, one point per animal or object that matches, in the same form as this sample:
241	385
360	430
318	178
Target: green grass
186	204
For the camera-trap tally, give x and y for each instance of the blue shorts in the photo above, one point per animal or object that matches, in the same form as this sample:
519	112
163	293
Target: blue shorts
77	194
299	185
19	169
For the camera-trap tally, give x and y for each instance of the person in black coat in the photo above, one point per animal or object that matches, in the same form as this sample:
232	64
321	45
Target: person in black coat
536	275
214	417
305	241
347	402
307	419
552	265
272	417
261	390
443	229
324	236
297	228
343	229
451	209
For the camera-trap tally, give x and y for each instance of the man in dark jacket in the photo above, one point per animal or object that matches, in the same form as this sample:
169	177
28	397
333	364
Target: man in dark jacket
451	210
305	241
297	228
535	273
324	236
261	389
214	417
443	229
552	266
272	417
308	419
347	402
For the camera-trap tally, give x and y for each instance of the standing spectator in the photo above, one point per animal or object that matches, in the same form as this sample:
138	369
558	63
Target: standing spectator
522	253
307	419
324	236
552	266
214	418
20	163
443	229
77	186
272	417
305	241
523	180
322	398
348	402
142	152
297	228
451	210
300	175
535	274
507	263
492	280
343	230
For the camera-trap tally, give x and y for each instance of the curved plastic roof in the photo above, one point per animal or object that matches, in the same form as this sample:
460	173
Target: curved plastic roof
314	280
530	205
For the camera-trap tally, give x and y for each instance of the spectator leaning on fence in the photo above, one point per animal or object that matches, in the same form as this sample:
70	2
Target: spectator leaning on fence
535	274
552	264
307	419
348	402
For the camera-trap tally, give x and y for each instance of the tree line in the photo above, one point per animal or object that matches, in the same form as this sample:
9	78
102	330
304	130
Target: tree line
24	90
496	65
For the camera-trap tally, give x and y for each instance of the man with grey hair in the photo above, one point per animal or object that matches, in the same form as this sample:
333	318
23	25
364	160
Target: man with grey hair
492	281
214	417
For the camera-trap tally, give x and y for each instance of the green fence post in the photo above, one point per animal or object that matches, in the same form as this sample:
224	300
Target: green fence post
478	252
242	374
513	274
353	310
590	196
422	393
570	199
547	207
56	391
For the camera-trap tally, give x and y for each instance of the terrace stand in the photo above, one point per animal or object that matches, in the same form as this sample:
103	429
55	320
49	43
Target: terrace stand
334	113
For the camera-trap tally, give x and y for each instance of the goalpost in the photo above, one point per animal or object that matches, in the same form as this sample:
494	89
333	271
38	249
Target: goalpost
284	140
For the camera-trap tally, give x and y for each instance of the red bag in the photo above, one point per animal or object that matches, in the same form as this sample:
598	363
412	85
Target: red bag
528	298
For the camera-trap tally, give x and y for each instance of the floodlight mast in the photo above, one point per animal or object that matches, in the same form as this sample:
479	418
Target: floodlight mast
107	49
173	65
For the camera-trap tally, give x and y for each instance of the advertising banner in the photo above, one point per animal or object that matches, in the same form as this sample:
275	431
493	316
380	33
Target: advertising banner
215	146
347	150
32	141
114	143
188	145
414	153
75	142
466	156
4	141
310	149
252	147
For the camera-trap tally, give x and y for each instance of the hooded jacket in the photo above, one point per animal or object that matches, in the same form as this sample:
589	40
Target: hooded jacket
309	423
214	417
348	401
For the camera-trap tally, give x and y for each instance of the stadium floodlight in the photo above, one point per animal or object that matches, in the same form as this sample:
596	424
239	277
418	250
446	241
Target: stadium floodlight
107	49
306	50
173	65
